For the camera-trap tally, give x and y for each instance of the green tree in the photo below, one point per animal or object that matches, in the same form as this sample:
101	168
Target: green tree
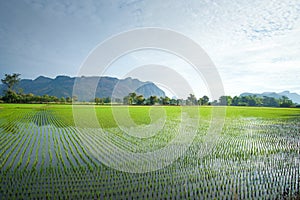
62	100
98	100
11	80
140	100
68	99
165	100
106	100
192	100
153	100
28	98
270	101
204	100
132	98
11	97
235	101
179	102
173	102
46	98
225	100
285	102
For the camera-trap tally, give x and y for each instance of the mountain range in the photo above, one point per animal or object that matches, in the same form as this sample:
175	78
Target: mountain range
293	96
62	86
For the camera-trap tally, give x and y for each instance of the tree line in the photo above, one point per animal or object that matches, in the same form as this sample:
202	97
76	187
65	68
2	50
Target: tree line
250	100
135	99
11	96
254	100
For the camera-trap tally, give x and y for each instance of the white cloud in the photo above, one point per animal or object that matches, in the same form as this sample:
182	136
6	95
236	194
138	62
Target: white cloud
254	44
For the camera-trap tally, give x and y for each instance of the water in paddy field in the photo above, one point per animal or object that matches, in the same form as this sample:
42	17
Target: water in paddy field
254	158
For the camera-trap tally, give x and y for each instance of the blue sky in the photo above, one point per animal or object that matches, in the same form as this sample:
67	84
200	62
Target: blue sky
255	45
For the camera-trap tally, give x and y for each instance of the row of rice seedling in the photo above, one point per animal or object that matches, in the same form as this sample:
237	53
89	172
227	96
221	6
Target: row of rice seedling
9	149
49	158
211	186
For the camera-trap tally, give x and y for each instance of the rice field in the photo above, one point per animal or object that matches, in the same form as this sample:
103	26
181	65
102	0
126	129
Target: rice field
44	154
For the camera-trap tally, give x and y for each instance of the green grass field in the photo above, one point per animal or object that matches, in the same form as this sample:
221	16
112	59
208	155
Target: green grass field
43	154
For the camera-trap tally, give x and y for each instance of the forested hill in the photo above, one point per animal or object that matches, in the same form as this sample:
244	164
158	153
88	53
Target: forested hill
62	86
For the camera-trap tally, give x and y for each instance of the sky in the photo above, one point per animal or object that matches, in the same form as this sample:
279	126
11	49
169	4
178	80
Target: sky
254	45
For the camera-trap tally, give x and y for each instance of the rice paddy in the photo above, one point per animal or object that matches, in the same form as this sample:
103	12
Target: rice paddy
43	154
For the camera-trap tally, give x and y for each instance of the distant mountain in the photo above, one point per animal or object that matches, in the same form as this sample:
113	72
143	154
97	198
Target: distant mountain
62	86
293	96
150	89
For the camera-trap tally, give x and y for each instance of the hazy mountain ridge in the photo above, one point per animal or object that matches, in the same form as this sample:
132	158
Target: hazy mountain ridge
62	86
293	96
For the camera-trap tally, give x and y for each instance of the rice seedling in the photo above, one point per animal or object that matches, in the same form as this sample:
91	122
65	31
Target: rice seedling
43	155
